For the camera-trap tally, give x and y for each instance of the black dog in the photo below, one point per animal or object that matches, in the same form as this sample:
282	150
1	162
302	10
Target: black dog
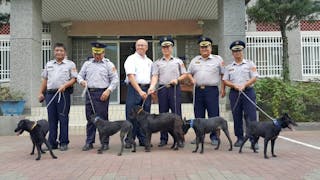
269	130
203	126
38	131
108	128
151	123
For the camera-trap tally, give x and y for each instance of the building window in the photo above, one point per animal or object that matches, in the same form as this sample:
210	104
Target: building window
46	28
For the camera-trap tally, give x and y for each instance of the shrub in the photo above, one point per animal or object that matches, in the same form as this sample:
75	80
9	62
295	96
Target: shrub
300	100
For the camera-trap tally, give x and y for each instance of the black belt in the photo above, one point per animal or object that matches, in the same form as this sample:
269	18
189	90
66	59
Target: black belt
96	89
247	88
51	91
166	85
144	85
204	86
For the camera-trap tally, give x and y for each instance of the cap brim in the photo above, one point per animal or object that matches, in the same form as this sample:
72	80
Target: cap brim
167	43
97	50
237	48
205	43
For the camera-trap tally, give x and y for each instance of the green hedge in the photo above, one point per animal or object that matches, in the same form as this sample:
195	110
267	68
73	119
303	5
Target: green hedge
300	99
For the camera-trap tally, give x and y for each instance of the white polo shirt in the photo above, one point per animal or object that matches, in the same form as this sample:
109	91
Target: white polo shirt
140	67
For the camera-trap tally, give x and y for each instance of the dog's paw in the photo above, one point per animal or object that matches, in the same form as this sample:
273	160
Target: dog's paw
119	154
133	151
99	151
201	152
38	158
55	157
43	152
176	149
32	153
273	155
194	151
216	148
230	149
266	157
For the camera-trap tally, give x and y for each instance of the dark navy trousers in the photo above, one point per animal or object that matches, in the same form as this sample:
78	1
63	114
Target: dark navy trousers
169	99
134	99
58	112
101	109
207	99
242	107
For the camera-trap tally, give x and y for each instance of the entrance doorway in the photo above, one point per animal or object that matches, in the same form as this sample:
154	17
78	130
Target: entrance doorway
126	49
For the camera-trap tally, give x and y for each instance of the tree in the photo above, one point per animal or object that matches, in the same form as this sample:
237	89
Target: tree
286	14
4	19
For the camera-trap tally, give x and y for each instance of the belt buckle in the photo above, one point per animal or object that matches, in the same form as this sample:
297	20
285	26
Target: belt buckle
202	87
168	85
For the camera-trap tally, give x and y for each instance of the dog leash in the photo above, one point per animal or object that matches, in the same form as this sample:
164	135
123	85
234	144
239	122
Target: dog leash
175	98
89	96
237	101
154	91
53	98
257	106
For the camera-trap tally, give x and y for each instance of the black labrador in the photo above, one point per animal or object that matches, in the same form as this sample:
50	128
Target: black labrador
203	126
109	128
151	123
37	131
269	130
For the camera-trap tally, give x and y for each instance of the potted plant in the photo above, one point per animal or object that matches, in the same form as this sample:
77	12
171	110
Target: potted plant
11	102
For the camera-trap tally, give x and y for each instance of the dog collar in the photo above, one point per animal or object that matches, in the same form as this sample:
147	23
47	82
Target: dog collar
33	126
95	119
276	123
140	111
191	123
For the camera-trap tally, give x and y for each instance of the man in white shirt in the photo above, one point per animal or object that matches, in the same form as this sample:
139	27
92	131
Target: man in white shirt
138	71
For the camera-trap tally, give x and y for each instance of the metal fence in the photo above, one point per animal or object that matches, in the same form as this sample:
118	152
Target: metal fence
5	55
4	58
266	52
310	55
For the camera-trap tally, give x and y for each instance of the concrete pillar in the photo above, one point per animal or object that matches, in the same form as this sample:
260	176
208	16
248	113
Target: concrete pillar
294	50
25	49
60	34
231	24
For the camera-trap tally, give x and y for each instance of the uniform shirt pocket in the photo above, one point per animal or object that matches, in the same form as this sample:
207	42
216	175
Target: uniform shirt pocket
211	68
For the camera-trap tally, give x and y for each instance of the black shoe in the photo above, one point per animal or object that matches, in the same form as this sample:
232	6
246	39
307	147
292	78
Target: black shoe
63	147
142	144
53	148
214	142
87	147
181	145
104	147
256	146
162	143
128	146
238	143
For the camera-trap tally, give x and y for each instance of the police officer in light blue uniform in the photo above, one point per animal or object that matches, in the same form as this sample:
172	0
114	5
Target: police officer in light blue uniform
168	71
100	76
240	75
207	70
58	77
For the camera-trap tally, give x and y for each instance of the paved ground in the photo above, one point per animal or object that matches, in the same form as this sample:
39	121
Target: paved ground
294	161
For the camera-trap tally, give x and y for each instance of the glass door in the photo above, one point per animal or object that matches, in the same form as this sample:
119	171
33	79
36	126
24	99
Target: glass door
112	53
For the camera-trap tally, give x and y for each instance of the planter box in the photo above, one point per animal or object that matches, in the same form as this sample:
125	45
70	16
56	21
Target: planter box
10	108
